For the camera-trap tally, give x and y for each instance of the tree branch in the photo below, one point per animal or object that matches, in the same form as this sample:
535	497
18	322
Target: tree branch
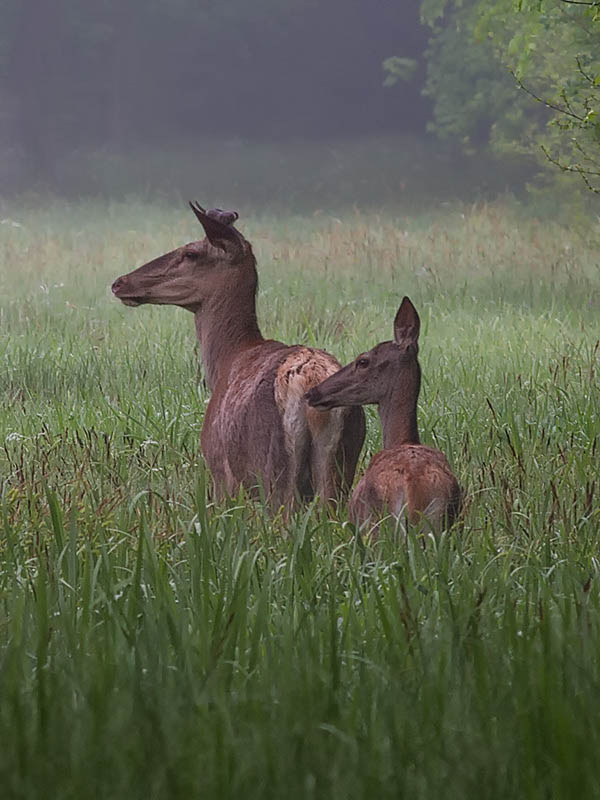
547	103
588	78
583	173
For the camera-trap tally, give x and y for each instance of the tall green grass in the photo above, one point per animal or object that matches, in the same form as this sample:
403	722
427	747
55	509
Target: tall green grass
155	645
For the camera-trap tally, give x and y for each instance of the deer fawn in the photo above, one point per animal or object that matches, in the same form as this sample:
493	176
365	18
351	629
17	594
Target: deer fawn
258	430
406	478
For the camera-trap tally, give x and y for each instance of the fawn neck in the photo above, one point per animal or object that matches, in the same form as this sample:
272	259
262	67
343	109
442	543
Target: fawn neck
226	325
398	411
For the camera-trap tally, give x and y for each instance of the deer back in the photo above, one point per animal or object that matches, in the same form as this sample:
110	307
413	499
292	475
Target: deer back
260	433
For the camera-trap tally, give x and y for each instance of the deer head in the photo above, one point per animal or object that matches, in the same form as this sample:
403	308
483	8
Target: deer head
372	377
197	272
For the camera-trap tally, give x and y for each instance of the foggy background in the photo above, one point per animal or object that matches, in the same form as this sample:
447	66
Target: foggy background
267	101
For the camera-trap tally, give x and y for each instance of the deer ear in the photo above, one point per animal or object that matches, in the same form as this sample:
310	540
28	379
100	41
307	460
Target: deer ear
218	226
406	324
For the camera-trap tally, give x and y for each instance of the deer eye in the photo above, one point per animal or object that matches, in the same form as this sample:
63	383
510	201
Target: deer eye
362	362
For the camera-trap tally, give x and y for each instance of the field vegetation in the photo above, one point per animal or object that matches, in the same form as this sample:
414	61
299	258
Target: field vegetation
153	644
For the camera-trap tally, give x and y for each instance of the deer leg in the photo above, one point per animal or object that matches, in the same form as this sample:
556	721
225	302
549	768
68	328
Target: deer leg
352	440
326	433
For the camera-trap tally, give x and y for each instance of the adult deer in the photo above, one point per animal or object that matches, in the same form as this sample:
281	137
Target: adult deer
258	430
406	479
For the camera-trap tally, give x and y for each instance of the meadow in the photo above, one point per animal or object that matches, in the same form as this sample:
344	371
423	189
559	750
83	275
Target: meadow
155	645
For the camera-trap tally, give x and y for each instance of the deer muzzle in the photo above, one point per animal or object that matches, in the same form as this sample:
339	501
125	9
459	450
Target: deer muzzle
122	291
314	398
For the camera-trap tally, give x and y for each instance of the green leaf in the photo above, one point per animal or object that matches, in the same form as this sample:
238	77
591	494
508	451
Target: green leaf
398	69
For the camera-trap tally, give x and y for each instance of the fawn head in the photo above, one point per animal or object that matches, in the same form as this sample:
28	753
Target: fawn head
372	376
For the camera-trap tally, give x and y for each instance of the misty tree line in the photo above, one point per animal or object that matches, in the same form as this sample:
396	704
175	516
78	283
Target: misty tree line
516	76
119	73
519	76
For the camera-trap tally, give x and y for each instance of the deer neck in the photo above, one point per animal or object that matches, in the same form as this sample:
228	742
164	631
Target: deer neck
226	325
398	413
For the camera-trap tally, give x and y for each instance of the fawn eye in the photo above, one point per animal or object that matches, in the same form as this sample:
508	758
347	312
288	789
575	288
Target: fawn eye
362	362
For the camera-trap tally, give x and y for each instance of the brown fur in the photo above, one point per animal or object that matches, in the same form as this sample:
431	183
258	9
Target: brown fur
406	479
258	432
411	480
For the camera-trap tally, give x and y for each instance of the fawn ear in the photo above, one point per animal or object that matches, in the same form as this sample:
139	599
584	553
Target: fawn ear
218	226
407	324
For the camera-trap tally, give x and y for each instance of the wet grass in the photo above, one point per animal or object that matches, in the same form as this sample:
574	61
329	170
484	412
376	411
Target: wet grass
152	645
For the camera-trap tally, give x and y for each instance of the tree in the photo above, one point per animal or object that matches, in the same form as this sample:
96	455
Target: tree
473	96
480	50
116	76
554	57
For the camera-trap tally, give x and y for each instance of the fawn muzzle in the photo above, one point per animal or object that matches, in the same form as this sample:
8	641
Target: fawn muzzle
314	398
